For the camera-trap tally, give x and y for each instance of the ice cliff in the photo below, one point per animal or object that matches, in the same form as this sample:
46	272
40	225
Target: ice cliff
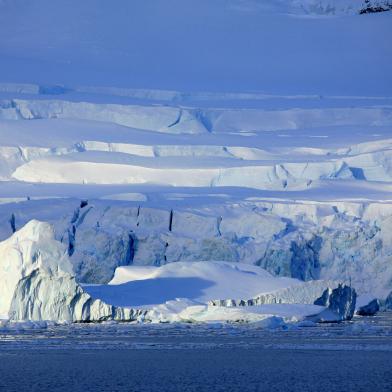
305	293
307	241
37	281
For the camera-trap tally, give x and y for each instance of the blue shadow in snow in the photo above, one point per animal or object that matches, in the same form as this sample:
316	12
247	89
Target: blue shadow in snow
149	291
358	173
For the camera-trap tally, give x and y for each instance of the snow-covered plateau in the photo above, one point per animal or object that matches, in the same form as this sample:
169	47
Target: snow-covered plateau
154	167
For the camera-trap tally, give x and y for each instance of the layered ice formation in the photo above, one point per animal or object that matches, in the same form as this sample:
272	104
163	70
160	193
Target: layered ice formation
38	284
344	241
257	133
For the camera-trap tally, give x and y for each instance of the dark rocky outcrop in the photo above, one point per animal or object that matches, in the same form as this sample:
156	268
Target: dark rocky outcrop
371	6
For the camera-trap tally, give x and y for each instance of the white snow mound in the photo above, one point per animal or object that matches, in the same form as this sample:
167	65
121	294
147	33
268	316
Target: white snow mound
199	292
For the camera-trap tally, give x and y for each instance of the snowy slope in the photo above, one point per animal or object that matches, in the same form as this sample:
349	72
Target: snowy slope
257	148
74	117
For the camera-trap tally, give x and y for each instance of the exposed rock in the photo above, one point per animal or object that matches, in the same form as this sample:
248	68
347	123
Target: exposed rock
375	6
370	309
38	282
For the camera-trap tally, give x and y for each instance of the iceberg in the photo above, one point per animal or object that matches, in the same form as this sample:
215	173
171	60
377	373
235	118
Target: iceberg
38	283
340	304
185	292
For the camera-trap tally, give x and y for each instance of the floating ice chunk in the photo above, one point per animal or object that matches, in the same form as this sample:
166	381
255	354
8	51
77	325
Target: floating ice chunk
340	302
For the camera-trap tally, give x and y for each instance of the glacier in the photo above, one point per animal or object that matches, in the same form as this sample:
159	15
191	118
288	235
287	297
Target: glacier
39	285
308	240
177	150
